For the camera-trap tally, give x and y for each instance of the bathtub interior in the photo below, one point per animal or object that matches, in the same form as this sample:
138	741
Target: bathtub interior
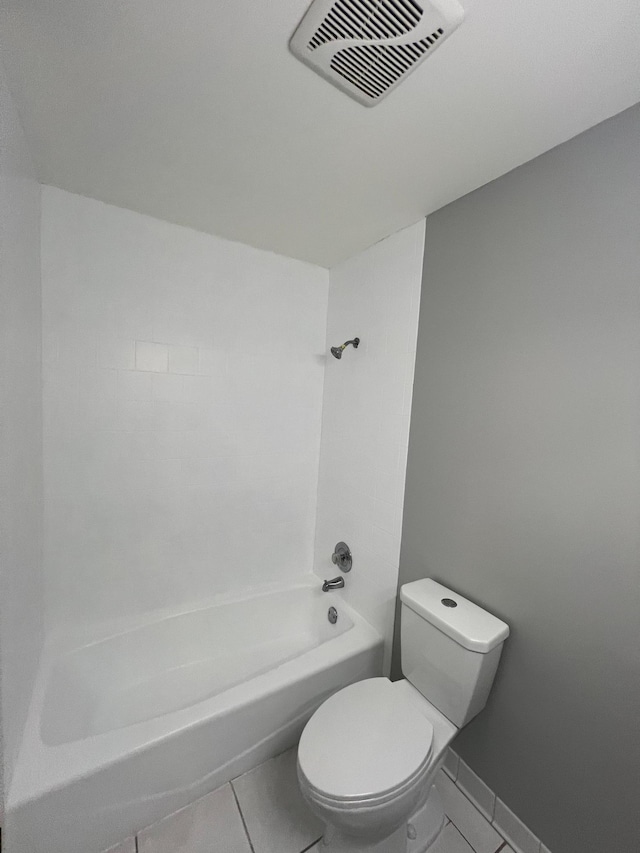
80	790
178	661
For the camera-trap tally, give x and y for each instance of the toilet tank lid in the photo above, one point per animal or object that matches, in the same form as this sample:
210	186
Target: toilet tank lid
462	620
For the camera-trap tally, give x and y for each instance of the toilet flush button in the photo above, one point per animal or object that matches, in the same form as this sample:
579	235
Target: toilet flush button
449	602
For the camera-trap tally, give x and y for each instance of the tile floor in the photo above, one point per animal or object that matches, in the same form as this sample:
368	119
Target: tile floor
263	812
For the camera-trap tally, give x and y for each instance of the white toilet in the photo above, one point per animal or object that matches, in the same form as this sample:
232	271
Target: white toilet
368	757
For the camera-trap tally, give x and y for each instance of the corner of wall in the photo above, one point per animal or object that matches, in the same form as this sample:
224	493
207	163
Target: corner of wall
21	433
365	419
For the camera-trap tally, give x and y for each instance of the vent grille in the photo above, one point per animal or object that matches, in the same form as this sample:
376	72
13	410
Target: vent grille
367	19
367	47
375	68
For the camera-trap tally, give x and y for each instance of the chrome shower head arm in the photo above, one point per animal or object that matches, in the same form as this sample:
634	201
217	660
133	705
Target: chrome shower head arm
336	352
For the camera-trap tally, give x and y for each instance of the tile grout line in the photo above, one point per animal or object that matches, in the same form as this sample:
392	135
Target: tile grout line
459	786
468	840
469	799
311	846
244	823
489	821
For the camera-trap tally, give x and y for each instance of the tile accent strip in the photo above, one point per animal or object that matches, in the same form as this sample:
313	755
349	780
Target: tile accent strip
509	825
480	794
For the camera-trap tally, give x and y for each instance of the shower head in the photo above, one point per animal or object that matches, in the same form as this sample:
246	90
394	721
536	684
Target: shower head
336	352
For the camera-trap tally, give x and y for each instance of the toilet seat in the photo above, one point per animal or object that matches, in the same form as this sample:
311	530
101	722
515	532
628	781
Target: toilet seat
365	746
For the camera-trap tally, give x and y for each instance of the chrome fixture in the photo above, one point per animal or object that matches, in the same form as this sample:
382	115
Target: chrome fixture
341	557
334	583
336	352
332	615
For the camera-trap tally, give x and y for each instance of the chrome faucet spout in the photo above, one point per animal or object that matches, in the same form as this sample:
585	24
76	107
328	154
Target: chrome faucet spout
334	583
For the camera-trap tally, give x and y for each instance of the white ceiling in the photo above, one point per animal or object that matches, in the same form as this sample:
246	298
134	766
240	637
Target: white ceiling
195	111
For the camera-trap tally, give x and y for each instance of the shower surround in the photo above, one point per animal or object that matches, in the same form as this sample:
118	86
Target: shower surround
21	587
365	419
202	456
183	408
183	380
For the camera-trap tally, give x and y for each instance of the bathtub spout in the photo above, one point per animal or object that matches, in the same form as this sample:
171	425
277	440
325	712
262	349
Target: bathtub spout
334	583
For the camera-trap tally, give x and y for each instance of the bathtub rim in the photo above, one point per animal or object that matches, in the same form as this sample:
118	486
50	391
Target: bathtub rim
38	768
65	638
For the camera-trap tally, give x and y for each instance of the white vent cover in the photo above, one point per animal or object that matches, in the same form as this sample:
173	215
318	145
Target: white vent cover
367	47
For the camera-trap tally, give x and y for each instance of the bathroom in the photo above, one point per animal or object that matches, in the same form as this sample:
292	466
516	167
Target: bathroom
297	389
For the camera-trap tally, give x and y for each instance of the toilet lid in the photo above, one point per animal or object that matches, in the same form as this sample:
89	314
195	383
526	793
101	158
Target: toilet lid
364	741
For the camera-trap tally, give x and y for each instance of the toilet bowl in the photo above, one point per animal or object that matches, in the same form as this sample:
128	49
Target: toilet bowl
366	764
368	757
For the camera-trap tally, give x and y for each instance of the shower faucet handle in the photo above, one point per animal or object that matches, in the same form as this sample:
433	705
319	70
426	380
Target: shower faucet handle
341	557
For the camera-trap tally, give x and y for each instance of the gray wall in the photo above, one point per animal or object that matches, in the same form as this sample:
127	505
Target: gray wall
20	434
523	482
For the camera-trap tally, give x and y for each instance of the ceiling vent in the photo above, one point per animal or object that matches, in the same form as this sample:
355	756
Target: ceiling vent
367	47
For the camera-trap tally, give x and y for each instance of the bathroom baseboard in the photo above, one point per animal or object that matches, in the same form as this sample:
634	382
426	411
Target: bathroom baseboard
506	823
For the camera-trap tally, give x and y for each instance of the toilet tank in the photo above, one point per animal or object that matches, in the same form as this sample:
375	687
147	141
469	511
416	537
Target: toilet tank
450	648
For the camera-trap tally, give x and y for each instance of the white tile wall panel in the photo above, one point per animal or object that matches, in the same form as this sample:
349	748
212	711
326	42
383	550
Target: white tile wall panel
21	584
365	418
183	391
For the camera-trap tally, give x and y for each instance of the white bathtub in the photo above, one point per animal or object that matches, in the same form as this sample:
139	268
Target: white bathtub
144	719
